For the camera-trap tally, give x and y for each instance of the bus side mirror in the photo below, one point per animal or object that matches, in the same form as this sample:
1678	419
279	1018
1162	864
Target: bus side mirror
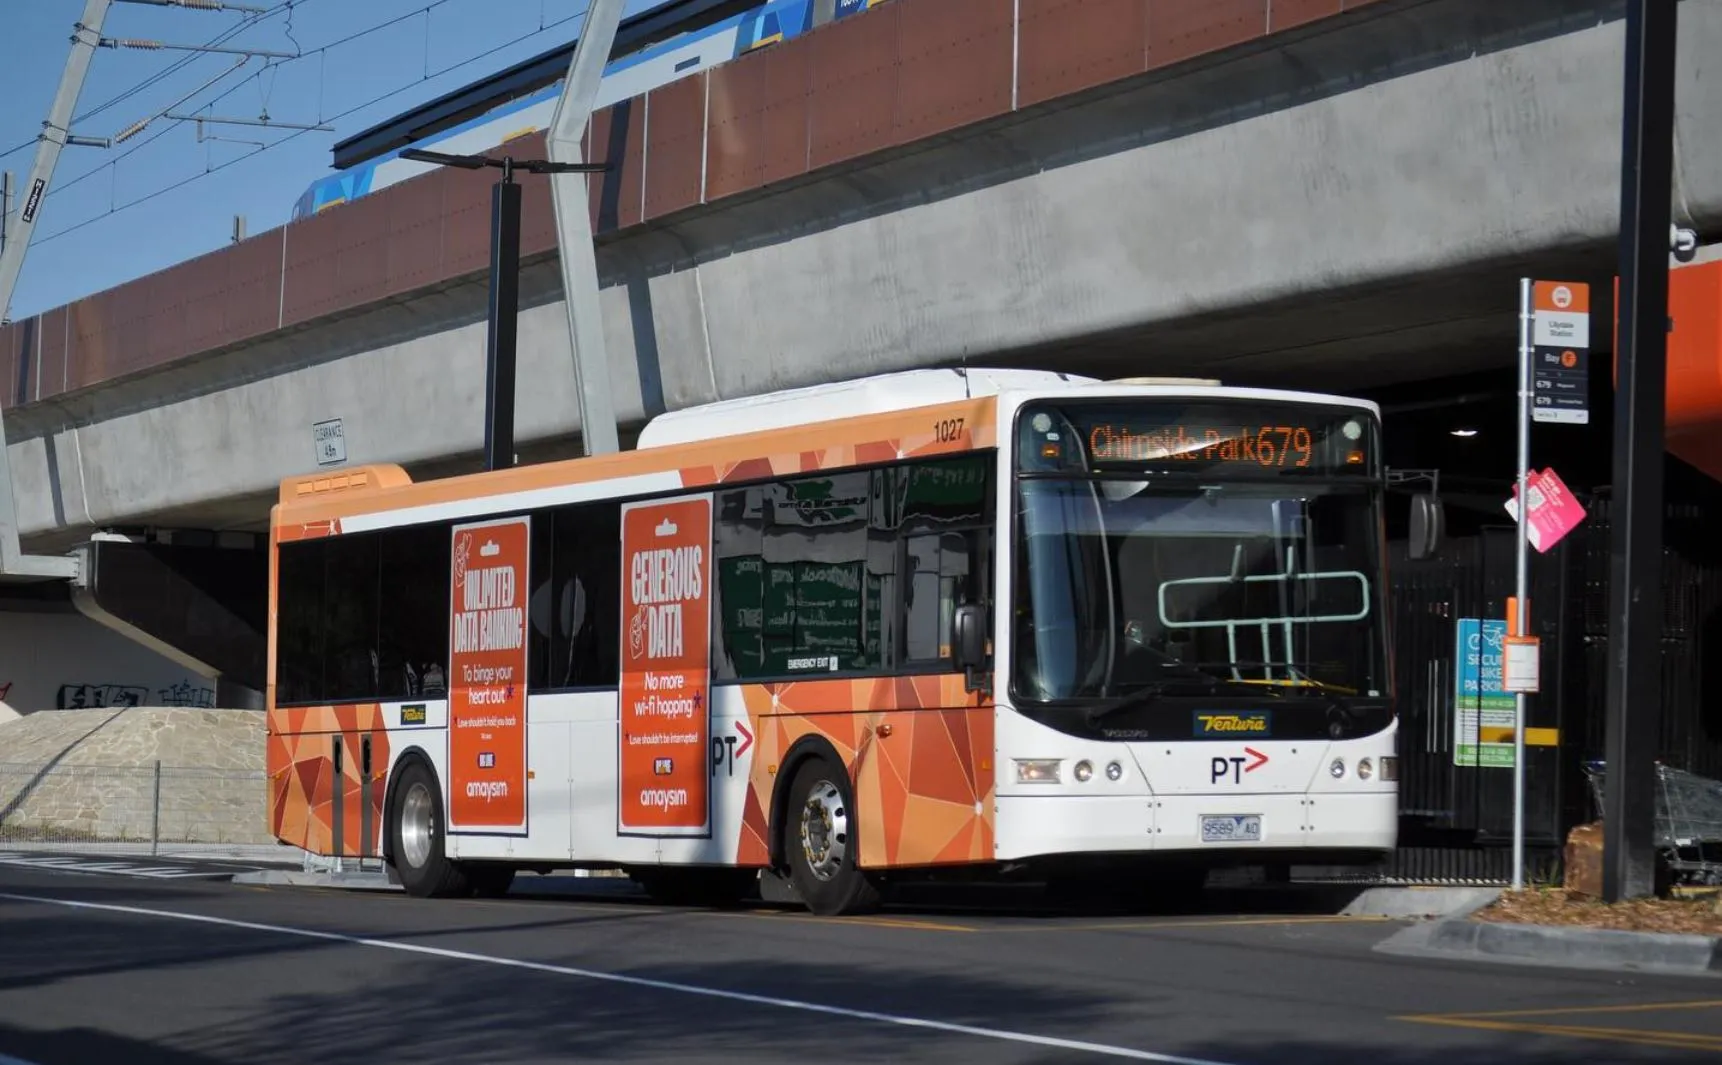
1427	526
969	642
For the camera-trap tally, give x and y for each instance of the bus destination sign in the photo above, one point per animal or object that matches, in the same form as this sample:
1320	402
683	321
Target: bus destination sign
1257	445
1239	439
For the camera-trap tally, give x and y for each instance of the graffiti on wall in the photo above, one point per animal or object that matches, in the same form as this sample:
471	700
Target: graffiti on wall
95	696
89	696
186	693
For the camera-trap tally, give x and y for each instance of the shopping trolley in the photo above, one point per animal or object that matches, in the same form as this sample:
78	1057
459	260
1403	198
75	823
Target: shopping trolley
1687	821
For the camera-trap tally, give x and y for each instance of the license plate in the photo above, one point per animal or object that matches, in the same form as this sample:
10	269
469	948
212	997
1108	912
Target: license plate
1231	828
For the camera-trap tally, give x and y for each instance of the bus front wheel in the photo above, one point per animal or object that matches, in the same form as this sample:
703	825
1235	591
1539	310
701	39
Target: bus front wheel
821	841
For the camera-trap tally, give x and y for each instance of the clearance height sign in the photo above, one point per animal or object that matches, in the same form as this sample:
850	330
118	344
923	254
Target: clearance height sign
666	662
487	670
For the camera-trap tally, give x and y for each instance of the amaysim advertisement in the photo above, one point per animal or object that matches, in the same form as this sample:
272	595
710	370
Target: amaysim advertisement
487	677
666	655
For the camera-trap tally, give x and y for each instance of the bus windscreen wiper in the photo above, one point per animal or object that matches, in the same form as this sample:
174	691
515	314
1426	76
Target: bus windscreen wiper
1258	665
1340	709
1151	692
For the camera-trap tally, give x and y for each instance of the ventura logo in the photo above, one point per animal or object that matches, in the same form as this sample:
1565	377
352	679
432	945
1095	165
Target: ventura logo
1253	723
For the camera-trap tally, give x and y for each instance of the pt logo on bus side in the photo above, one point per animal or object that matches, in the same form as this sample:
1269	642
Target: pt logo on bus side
1220	767
725	752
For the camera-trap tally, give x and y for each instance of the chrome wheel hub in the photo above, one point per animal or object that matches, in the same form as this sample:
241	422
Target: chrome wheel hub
825	830
418	825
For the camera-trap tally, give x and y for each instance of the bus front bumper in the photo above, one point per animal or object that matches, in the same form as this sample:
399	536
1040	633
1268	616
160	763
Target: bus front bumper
1032	826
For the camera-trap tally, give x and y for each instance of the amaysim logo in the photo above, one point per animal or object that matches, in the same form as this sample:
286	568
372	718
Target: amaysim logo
1251	723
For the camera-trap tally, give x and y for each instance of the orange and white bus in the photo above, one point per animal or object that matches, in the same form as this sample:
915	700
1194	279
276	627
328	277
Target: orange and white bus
981	621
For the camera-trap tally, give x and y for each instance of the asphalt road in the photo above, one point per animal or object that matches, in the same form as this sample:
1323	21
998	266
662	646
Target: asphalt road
150	972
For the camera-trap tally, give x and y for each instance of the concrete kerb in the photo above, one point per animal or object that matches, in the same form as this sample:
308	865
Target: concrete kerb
351	881
371	879
1418	902
1458	937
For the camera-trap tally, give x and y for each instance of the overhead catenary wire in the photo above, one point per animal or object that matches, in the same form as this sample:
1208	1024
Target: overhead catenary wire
193	179
288	6
171	69
180	64
112	165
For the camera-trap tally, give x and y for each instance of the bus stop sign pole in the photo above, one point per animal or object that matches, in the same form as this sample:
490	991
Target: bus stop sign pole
1641	347
1521	575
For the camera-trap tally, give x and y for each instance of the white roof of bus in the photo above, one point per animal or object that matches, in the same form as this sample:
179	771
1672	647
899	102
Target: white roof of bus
905	390
878	394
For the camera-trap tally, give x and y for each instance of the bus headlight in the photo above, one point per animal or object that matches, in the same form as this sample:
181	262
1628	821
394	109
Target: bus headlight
1337	769
1114	771
1364	769
1084	770
1036	770
1389	767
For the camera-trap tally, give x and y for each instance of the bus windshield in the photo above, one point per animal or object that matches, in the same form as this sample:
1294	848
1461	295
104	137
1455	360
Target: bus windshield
1183	550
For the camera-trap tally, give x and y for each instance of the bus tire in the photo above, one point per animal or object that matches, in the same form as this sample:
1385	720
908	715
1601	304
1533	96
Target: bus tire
821	840
416	837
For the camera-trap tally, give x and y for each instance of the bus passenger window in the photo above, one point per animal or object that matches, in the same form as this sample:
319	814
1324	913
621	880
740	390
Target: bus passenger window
299	629
939	566
586	596
412	634
351	594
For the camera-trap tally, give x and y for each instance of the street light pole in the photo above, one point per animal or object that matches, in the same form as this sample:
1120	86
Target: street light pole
501	341
504	312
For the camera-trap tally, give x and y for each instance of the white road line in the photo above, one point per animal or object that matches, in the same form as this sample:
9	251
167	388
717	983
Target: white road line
88	865
1100	1049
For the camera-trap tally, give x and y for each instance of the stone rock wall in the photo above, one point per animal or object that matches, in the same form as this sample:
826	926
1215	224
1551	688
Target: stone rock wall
90	775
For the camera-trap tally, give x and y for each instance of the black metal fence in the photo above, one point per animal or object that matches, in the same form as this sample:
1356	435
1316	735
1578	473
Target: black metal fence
1690	732
1457	812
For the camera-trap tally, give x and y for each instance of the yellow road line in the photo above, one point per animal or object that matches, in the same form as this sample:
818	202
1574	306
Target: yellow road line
871	922
1640	1037
1049	925
1216	922
1523	1021
1696	1039
1631	1007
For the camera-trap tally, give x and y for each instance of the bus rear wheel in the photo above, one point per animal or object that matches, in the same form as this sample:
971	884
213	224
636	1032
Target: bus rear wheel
416	843
821	841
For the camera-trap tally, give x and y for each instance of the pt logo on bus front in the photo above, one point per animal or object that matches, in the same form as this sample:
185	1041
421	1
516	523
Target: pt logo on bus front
1210	724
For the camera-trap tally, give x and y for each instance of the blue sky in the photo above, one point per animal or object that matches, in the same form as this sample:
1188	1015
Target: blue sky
88	239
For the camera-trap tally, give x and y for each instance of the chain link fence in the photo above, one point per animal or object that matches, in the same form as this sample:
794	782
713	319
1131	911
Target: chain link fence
141	809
